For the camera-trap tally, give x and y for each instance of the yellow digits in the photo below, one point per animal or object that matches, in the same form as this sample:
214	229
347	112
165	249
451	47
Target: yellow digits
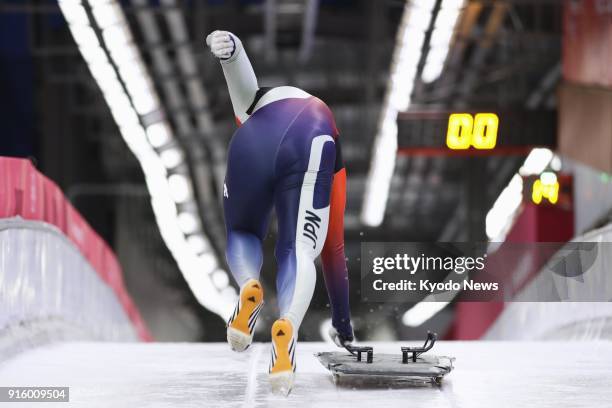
545	187
465	131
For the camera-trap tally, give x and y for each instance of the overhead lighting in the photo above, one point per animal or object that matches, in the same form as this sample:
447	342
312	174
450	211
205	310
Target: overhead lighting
135	81
118	39
103	73
118	100
197	243
166	191
124	53
74	12
548	178
440	39
106	13
93	54
188	222
111	85
179	188
536	162
124	114
116	35
499	218
158	134
132	71
172	157
209	262
422	312
84	36
230	295
381	172
453	3
446	19
406	56
555	163
144	101
220	279
421	6
419	18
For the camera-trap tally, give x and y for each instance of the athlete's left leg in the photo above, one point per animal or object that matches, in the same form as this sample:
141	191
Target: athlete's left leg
247	204
302	206
244	257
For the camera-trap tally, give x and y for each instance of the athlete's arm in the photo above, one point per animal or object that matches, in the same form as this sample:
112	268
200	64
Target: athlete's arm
239	74
333	258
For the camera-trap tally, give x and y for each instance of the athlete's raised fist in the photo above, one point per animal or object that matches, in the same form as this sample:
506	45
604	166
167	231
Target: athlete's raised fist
222	44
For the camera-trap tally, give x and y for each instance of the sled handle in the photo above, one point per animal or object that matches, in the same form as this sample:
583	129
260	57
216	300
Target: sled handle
417	351
356	351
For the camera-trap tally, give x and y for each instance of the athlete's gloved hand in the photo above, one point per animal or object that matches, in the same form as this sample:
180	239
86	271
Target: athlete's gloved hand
341	338
223	44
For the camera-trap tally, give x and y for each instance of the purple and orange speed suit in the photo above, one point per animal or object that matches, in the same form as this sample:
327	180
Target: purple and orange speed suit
286	155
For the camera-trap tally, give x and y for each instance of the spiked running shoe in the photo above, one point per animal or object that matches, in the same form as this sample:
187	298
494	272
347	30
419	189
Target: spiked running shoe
282	364
242	322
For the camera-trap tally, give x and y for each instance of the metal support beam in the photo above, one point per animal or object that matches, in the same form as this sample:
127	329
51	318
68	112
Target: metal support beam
538	96
309	27
485	44
455	56
270	30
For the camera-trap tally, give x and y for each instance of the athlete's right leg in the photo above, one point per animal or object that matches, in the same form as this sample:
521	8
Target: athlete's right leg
302	207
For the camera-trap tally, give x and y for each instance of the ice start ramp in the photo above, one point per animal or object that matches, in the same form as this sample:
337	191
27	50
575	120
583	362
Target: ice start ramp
500	374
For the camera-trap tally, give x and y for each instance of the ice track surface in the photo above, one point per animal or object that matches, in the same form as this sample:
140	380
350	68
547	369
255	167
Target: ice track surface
499	374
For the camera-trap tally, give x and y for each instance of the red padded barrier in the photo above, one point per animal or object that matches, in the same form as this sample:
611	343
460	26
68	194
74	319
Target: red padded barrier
8	196
112	269
33	203
55	205
26	193
76	227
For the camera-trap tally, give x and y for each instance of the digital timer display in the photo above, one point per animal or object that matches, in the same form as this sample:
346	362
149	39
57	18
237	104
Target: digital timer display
478	131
